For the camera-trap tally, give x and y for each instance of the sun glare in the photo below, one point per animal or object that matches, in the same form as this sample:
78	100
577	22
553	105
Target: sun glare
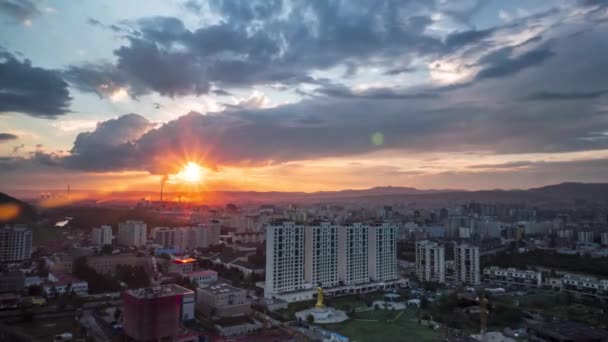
192	173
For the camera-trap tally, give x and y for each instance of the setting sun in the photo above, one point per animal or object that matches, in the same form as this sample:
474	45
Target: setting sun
191	173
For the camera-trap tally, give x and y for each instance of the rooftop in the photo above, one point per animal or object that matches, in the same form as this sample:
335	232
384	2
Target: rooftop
222	288
158	292
64	279
199	273
183	261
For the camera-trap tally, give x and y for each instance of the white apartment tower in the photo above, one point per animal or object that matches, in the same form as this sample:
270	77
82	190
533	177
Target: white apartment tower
382	258
430	261
163	236
206	235
466	264
102	236
284	258
183	238
132	233
353	253
15	243
585	236
604	238
321	254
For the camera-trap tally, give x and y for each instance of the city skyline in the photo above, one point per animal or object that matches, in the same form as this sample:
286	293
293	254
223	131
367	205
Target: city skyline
299	96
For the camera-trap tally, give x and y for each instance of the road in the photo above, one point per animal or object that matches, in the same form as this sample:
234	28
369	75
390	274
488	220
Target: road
90	323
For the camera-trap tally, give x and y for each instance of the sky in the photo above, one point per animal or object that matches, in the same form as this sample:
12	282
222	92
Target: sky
303	95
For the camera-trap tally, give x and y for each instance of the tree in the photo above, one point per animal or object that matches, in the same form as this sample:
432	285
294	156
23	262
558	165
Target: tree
424	303
34	290
310	319
106	249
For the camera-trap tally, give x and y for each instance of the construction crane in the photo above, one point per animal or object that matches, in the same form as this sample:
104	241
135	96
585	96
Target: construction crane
483	314
156	273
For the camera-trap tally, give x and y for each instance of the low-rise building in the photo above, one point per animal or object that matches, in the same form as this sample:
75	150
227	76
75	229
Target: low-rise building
106	264
222	300
585	285
61	262
185	265
202	278
512	276
60	283
13	281
236	326
247	268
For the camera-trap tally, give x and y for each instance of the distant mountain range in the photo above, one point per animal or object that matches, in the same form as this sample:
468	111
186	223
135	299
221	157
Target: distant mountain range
559	193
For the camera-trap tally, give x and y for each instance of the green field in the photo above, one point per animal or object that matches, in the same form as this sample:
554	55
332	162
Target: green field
384	325
43	234
45	330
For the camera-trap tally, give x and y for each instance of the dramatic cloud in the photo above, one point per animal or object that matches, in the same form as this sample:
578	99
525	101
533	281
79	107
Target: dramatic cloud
31	90
4	137
260	42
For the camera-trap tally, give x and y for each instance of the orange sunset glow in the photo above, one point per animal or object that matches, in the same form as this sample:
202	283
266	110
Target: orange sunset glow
191	173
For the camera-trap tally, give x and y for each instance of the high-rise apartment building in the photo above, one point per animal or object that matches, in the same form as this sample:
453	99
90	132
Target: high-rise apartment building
466	264
163	236
353	253
284	258
15	243
206	235
102	236
604	238
382	258
183	238
132	233
430	261
585	236
321	254
350	258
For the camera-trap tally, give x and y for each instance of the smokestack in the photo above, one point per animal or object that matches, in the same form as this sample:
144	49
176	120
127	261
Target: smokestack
162	185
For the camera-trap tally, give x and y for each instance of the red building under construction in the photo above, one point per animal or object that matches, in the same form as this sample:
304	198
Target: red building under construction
153	314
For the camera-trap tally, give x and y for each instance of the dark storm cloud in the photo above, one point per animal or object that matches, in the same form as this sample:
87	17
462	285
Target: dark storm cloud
113	132
4	137
94	22
504	66
399	70
257	43
221	92
31	90
557	96
373	93
480	116
288	133
19	10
